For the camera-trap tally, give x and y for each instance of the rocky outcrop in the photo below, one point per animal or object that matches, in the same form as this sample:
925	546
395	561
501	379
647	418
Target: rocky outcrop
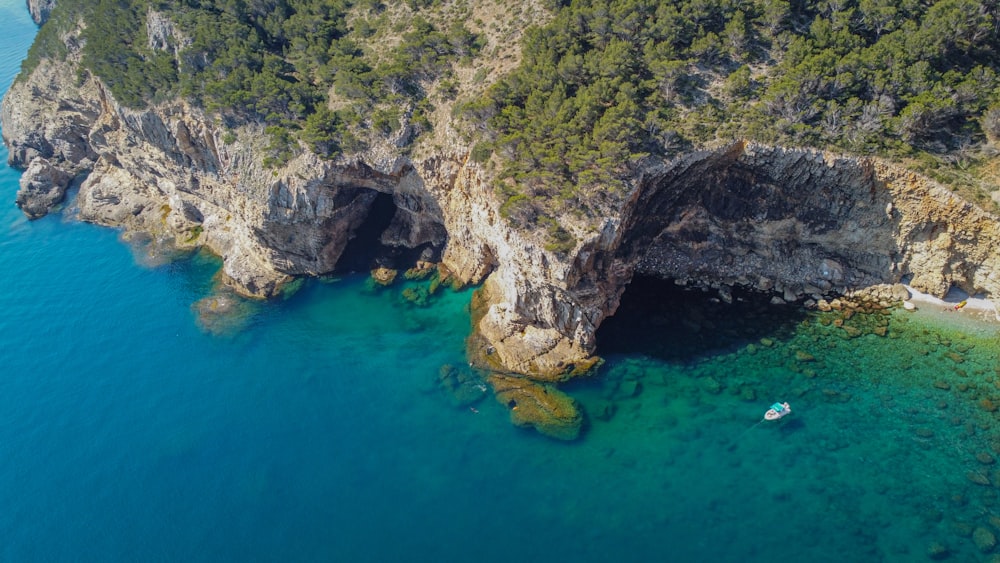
794	223
538	406
176	173
43	186
40	9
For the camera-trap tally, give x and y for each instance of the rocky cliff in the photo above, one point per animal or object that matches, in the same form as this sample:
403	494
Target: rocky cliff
40	9
799	224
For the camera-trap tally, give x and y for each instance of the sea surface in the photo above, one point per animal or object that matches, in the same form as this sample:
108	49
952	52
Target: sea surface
145	416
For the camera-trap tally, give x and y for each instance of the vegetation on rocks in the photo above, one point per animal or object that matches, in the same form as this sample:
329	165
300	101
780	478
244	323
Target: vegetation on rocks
610	81
600	84
278	62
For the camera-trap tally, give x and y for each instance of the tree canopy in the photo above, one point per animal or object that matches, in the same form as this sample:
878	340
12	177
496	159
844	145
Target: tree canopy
610	81
275	61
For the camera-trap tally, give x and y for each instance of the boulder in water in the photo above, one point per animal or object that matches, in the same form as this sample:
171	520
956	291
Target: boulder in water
42	186
542	407
384	276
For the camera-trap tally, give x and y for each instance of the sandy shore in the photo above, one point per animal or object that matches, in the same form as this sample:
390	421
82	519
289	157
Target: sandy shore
977	309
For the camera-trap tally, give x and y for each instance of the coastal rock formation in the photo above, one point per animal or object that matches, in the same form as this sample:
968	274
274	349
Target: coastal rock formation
42	187
40	9
793	223
539	406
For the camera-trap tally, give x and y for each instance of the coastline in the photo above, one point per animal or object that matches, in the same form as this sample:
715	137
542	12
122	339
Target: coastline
978	314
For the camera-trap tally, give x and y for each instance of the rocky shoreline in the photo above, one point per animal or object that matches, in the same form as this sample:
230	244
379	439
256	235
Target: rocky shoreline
796	224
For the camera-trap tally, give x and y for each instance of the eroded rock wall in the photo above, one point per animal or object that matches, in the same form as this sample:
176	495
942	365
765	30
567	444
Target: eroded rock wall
798	224
177	173
792	222
805	223
40	9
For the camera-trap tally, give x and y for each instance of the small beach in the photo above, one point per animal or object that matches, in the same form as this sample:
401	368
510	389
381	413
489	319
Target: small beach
975	313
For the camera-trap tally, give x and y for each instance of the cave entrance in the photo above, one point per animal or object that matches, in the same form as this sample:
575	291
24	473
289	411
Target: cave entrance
660	319
366	251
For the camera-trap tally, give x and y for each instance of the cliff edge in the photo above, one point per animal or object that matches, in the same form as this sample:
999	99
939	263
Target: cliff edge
799	224
40	9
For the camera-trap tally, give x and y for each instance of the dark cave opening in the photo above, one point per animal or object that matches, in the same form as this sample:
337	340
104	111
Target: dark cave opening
661	319
365	247
366	251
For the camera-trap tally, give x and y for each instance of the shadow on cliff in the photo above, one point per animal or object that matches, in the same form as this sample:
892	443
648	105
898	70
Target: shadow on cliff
659	319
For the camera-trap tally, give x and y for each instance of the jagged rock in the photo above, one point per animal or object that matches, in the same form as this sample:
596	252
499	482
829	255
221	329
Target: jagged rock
42	187
163	35
539	406
384	276
40	10
420	271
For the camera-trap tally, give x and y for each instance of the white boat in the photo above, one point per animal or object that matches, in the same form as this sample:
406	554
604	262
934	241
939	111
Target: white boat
777	411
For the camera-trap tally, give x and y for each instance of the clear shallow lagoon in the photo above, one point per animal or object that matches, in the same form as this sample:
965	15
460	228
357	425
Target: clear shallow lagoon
314	431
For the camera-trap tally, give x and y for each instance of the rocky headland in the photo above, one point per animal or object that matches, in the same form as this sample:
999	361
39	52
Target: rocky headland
797	224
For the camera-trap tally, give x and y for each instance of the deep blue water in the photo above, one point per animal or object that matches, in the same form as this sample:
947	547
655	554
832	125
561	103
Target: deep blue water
134	428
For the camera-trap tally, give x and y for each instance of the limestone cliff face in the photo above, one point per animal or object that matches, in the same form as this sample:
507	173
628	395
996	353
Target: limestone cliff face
797	223
170	171
793	222
40	9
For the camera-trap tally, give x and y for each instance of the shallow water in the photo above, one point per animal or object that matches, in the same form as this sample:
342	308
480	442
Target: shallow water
140	421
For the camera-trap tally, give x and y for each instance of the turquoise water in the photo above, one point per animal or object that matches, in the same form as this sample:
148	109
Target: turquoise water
135	427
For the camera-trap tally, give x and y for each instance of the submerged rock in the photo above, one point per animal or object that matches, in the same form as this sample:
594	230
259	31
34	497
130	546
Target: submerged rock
978	478
804	356
463	387
542	407
223	313
938	551
712	385
984	539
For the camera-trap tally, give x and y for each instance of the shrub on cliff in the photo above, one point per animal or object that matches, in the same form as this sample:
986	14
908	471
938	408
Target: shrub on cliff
608	81
273	62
